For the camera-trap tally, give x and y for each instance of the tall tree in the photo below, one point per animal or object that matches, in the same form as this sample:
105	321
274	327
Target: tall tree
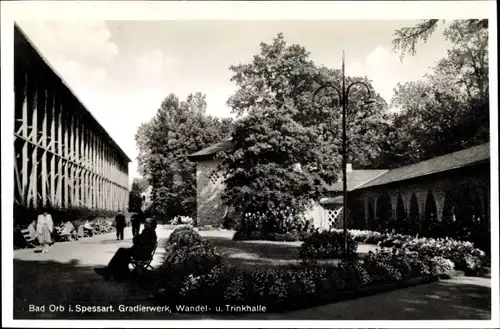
284	75
447	110
177	130
287	146
406	39
135	198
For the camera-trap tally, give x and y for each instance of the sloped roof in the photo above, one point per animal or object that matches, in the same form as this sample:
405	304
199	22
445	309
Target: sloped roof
356	178
27	50
225	145
463	158
339	199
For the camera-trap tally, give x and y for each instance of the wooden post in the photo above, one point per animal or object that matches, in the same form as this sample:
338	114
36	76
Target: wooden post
60	153
53	142
34	154
94	171
86	159
94	168
72	157
66	156
44	147
25	160
77	161
82	162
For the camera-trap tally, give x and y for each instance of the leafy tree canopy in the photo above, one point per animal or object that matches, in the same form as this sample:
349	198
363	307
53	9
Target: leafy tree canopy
177	130
406	39
287	146
448	110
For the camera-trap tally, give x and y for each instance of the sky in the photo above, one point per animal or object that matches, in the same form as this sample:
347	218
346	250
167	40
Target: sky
122	70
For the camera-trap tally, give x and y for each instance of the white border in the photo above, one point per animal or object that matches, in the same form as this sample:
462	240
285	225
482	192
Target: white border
280	10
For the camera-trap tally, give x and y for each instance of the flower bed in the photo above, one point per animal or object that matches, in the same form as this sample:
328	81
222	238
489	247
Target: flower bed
195	274
269	236
326	244
461	253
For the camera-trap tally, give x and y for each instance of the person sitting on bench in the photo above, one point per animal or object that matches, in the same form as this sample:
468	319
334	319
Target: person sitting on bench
32	230
68	231
88	229
142	247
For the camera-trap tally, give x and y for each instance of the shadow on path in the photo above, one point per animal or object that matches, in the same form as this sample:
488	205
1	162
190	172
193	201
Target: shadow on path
442	300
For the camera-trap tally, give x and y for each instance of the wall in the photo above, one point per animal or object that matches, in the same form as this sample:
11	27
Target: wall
439	189
62	156
209	186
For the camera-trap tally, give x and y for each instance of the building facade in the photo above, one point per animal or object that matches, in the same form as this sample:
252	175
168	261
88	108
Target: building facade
62	156
450	188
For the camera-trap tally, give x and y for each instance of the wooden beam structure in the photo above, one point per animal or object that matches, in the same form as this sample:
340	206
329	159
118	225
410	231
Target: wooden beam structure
63	156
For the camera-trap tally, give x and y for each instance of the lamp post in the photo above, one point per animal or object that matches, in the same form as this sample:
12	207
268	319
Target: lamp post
343	93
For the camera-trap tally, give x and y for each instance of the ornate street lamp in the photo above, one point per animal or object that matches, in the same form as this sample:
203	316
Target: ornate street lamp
343	94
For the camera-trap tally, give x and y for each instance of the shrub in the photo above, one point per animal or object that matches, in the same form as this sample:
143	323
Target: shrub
260	235
327	244
195	259
442	266
184	262
462	253
274	225
184	236
382	267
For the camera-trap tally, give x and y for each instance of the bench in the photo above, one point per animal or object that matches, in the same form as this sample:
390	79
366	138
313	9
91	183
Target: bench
30	243
144	264
66	236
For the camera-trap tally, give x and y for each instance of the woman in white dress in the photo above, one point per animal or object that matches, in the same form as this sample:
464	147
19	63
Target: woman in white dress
44	229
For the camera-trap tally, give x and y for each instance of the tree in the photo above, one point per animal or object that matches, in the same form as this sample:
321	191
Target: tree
177	130
447	110
135	198
287	148
283	75
406	38
278	166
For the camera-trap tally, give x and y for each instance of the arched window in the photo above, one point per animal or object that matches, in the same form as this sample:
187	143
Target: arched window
371	214
384	212
401	215
413	223
429	220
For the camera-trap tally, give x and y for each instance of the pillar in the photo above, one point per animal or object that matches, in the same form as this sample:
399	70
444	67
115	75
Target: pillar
439	198
77	160
366	208
406	196
394	201
60	154
421	198
53	143
66	155
72	159
43	142
34	160
24	173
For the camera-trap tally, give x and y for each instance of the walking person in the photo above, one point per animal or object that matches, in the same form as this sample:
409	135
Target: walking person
44	228
120	225
136	221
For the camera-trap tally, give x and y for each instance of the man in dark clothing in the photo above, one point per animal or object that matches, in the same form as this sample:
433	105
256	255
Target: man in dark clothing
141	249
120	226
136	223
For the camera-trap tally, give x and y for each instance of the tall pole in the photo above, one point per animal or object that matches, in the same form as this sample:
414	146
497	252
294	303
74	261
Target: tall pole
344	153
343	93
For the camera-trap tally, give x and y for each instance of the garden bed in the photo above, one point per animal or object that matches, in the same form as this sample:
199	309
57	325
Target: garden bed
194	273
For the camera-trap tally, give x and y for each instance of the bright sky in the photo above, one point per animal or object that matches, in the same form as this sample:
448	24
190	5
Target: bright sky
121	70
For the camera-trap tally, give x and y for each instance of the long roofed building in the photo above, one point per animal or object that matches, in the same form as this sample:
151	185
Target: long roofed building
63	157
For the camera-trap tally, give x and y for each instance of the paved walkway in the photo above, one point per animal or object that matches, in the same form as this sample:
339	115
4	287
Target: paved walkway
459	298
